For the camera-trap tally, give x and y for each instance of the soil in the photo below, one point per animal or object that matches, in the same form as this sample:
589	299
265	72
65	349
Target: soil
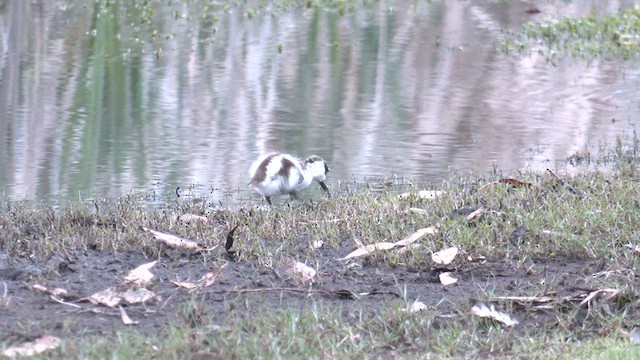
370	284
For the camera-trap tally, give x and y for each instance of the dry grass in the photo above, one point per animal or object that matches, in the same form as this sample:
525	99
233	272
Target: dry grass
547	238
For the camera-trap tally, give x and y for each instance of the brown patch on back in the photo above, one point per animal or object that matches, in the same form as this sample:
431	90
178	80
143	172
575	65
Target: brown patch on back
261	172
286	168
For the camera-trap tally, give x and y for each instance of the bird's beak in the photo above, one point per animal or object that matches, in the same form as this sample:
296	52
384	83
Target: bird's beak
324	187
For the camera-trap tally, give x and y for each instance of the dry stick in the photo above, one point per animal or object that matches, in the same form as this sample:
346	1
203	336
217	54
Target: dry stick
555	177
56	299
327	292
242	291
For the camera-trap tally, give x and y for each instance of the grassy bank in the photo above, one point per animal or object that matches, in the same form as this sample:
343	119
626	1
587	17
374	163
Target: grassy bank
612	36
555	253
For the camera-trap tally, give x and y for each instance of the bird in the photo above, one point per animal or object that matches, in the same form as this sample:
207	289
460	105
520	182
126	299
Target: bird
280	174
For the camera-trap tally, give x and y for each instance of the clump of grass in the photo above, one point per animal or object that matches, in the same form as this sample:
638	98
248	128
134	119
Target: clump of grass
148	25
591	215
321	331
610	36
550	235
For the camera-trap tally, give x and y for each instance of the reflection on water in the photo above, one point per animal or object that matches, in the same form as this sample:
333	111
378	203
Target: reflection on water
108	99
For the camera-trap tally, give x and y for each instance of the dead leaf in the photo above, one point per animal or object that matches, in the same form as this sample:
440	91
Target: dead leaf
476	259
59	292
176	241
193	218
431	230
38	346
635	249
368	249
185	284
606	294
423	194
445	257
475	214
137	296
634	335
482	310
417	306
125	318
300	271
553	233
207	279
40	288
115	296
419	211
447	279
141	274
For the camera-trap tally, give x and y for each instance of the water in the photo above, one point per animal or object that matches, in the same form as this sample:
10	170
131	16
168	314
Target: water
112	100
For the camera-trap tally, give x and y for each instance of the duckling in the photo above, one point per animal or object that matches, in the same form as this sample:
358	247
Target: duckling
280	174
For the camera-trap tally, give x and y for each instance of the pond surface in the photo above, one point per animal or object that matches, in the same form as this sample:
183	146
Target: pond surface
111	98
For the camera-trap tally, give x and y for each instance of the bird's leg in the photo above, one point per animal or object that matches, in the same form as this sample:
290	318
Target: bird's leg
325	188
268	200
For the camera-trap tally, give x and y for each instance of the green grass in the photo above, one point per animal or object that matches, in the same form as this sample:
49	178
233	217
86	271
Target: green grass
321	332
611	36
586	219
